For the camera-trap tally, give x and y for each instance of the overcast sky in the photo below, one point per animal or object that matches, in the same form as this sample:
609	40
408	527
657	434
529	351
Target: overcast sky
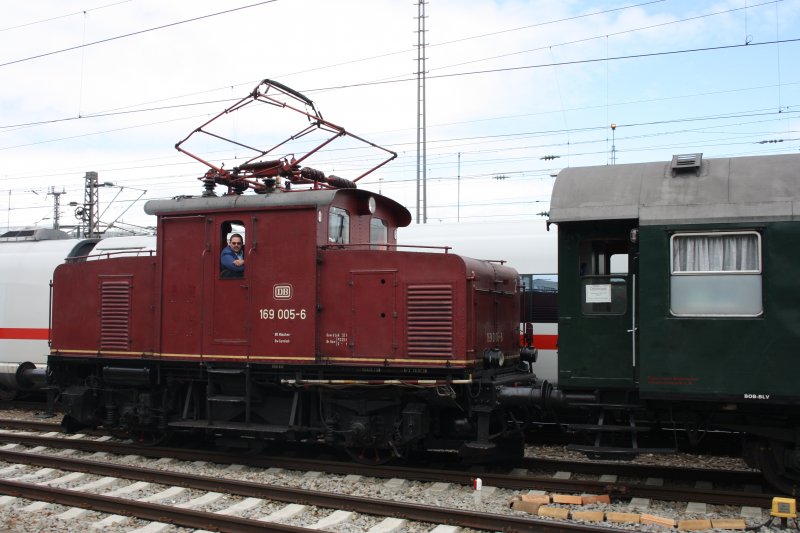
111	86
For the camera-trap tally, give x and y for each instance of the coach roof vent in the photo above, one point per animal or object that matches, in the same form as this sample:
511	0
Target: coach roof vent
684	163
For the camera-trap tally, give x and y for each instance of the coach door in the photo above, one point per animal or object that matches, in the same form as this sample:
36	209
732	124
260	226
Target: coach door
598	309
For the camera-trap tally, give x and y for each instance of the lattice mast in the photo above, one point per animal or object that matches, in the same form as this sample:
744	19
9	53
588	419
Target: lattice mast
421	133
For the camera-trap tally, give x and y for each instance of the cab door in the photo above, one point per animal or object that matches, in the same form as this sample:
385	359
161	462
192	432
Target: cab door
181	250
229	327
597	305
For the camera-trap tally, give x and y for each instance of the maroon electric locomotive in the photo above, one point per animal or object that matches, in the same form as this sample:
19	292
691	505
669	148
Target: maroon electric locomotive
332	333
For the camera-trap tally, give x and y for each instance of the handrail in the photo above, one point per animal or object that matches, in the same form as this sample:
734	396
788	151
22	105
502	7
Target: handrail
130	252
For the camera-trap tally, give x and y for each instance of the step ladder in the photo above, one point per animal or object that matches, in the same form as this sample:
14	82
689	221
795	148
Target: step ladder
215	376
619	433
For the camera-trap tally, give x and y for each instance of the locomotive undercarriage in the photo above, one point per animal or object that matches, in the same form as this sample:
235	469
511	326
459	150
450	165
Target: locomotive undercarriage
620	425
482	418
250	406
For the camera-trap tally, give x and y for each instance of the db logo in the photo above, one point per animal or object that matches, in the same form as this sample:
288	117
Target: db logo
282	292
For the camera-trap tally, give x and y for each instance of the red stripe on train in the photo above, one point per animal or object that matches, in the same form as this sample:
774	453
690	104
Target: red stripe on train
25	334
545	342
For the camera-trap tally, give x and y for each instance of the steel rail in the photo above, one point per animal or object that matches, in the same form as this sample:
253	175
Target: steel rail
623	490
147	511
161	513
616	490
743	477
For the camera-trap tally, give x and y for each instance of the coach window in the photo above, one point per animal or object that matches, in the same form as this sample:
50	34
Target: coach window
604	283
378	234
338	226
716	274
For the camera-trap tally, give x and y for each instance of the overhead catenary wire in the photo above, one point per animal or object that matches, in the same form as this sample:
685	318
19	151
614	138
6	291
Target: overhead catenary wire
378	82
500	149
131	34
74	13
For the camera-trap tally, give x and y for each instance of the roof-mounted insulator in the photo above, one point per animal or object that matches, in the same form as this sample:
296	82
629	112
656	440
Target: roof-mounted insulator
684	163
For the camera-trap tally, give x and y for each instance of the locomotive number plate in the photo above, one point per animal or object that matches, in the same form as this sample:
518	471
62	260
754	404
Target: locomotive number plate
494	336
282	314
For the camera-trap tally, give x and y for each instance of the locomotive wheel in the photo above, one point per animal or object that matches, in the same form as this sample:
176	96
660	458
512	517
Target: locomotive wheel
768	456
143	437
371	456
151	438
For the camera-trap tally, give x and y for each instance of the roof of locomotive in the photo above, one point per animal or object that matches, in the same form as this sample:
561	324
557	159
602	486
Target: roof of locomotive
735	189
279	199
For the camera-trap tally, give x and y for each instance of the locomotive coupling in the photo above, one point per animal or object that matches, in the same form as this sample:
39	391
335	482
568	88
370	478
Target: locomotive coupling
543	394
22	376
536	394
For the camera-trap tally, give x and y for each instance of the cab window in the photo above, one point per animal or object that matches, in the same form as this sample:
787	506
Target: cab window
378	234
338	226
232	248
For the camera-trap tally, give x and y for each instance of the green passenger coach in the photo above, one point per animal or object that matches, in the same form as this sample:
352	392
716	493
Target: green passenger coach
679	296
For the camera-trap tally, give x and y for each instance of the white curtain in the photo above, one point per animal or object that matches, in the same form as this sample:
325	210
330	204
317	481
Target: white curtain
715	253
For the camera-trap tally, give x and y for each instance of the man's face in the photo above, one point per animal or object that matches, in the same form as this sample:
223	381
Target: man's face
236	244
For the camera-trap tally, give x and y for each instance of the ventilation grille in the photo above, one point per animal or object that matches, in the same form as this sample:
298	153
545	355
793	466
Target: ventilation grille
430	321
686	163
115	305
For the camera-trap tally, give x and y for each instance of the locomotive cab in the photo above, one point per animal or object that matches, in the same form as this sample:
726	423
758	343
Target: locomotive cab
273	302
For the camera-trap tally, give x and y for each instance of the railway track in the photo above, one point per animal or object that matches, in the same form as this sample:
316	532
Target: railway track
188	514
534	466
673	487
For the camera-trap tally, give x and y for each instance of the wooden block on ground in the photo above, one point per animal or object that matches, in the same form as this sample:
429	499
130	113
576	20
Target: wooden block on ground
525	507
535	498
553	512
622	518
586	499
567	498
728	523
694	525
656	520
589	516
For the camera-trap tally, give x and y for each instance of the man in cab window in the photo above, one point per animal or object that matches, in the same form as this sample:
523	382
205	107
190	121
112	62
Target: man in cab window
232	258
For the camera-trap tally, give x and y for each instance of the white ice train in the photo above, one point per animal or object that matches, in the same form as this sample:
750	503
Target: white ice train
527	246
27	260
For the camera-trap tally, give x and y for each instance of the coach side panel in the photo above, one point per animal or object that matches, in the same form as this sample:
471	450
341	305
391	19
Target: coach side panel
730	357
